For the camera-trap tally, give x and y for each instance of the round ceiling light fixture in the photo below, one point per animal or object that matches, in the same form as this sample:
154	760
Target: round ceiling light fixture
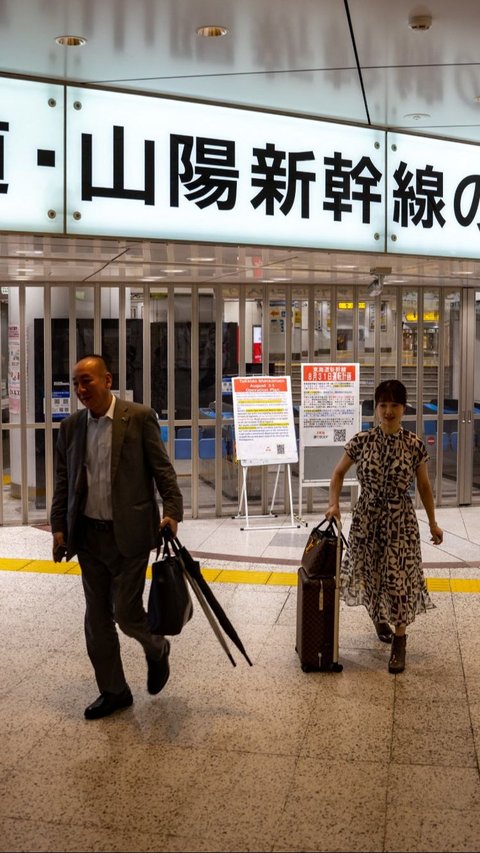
71	41
211	31
420	23
417	116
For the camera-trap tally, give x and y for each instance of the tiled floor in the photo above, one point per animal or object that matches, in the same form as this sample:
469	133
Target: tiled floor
264	758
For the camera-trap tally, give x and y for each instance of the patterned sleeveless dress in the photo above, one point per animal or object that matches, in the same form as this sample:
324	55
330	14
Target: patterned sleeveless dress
382	567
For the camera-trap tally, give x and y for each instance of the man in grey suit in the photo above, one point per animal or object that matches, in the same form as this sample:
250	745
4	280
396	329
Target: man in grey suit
110	457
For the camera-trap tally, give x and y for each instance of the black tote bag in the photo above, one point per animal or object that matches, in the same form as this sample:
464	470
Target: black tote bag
170	606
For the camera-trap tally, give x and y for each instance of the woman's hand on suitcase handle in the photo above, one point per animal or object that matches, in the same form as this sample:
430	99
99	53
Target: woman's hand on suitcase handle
333	511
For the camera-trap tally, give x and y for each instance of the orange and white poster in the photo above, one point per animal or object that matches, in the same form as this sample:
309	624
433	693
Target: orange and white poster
330	413
263	415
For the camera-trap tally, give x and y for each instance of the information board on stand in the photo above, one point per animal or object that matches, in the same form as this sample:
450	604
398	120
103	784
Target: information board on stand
329	416
264	424
264	431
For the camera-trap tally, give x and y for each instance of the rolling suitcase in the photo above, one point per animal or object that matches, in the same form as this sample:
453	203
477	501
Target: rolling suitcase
318	606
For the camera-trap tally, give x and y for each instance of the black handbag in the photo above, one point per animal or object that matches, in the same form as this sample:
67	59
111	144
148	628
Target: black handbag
320	553
170	606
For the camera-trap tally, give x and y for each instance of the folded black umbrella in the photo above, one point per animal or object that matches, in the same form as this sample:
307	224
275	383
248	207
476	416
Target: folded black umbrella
211	618
209	603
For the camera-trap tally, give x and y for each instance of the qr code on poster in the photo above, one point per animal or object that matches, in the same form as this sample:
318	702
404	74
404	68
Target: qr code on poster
339	435
281	449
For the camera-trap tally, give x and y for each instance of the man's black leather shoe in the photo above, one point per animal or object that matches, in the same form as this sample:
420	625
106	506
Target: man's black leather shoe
158	672
107	703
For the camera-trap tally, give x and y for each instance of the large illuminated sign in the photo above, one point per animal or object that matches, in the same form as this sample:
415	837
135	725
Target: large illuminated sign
31	156
133	165
433	202
159	168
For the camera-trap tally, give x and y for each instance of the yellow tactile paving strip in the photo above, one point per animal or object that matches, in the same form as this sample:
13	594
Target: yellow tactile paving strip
258	578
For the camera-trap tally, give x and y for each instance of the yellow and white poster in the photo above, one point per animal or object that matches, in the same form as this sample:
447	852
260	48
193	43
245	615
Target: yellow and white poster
263	415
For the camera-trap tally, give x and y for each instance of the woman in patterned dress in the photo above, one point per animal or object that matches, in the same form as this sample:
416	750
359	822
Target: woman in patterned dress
382	568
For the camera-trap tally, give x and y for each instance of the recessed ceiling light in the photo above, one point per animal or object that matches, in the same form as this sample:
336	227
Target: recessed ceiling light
71	41
345	267
172	271
211	31
200	259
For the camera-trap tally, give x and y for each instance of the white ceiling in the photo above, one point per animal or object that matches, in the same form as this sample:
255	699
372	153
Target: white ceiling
356	61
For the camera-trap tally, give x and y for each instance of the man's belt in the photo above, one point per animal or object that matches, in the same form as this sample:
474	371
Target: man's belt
98	523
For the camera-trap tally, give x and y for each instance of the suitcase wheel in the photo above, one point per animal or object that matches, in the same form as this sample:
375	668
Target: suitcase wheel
332	667
309	667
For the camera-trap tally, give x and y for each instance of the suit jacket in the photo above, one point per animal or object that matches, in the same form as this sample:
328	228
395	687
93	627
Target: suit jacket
139	462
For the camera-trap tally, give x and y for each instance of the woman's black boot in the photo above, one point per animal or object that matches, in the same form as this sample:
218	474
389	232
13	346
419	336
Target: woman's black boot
384	632
397	657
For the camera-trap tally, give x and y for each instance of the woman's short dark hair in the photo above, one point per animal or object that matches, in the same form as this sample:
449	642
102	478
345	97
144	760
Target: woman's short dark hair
391	391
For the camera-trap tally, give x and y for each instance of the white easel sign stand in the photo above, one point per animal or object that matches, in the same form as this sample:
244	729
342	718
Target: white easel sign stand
265	435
